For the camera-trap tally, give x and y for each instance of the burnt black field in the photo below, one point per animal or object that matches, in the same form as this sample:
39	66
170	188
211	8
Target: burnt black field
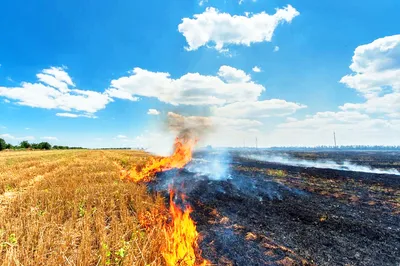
254	212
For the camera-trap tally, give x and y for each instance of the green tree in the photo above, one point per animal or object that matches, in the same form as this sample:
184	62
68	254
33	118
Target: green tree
3	144
9	146
35	146
25	144
44	146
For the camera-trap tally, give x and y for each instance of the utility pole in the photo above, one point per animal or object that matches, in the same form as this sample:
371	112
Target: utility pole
334	138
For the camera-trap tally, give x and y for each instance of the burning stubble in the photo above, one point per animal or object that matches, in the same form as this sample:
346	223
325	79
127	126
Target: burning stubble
181	247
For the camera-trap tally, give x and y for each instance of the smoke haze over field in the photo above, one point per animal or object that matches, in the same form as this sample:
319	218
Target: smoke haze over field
328	164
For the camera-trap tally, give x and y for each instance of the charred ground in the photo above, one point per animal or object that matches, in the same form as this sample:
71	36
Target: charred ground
263	213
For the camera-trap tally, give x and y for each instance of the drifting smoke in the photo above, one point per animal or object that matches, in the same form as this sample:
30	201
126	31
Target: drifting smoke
347	166
185	128
189	127
214	165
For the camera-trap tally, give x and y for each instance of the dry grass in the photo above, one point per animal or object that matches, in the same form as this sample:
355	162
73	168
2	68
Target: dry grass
70	208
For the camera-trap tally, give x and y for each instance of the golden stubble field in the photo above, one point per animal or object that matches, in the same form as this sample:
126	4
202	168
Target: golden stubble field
71	208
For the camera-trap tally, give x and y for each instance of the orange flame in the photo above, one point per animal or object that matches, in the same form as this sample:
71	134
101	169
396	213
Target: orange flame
183	149
181	247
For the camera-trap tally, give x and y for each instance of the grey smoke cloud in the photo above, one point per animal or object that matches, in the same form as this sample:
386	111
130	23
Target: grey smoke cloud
189	126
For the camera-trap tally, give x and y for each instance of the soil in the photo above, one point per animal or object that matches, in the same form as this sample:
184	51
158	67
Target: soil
263	213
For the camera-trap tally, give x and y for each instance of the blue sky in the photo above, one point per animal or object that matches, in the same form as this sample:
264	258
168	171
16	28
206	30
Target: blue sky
302	52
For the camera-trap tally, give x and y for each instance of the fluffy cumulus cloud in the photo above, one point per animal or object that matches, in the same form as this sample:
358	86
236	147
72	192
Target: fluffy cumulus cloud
375	121
229	85
276	49
375	65
55	90
376	76
387	104
222	29
256	69
153	112
266	108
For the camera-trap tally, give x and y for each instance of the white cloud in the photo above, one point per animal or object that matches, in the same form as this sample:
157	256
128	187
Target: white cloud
388	103
121	94
122	137
234	123
57	78
376	121
375	65
71	115
256	69
6	101
53	92
376	76
224	29
230	85
276	48
233	75
50	138
153	112
325	119
202	2
266	108
11	137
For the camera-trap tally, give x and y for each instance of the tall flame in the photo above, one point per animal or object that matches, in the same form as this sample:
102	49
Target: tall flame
181	245
182	154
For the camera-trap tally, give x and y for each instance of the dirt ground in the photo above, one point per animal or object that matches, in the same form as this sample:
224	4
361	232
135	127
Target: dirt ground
71	208
273	214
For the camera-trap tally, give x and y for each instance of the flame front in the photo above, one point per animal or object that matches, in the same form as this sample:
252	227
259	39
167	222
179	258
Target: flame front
181	238
182	154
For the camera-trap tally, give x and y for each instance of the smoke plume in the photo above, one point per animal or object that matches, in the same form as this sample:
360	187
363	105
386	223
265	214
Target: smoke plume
188	127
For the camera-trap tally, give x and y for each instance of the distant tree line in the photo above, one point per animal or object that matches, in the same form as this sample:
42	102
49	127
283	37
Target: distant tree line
33	146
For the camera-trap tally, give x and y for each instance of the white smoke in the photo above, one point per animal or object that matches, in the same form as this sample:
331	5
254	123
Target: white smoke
345	165
213	165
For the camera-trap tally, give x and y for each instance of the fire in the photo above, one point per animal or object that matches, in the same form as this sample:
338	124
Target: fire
181	246
181	238
182	154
